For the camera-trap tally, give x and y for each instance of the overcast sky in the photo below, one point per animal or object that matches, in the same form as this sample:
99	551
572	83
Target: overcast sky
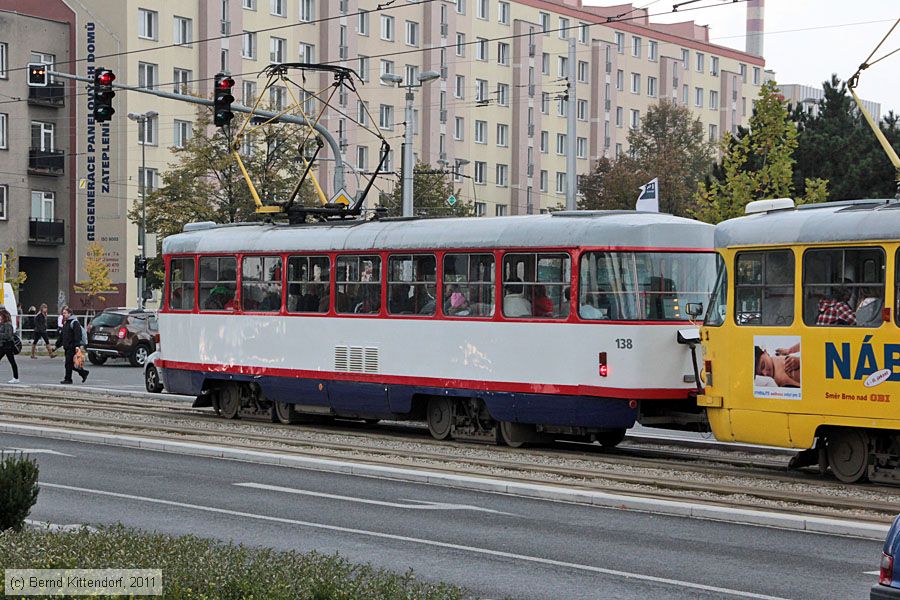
806	40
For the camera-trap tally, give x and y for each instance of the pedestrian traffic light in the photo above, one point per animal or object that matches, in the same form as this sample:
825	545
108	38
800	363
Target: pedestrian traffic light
222	100
37	75
103	94
140	266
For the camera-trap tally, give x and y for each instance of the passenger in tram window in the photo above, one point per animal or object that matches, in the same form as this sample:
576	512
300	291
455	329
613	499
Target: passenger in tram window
515	304
868	311
836	310
218	296
456	303
542	305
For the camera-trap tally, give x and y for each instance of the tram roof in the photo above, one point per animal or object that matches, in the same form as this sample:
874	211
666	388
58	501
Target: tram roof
561	229
850	221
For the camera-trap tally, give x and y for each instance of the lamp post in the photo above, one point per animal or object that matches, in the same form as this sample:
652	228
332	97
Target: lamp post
408	166
142	119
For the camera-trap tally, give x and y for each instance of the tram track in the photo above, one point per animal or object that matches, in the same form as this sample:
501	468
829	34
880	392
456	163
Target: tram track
656	473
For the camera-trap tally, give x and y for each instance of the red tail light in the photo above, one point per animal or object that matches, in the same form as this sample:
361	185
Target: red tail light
886	574
601	366
707	368
121	333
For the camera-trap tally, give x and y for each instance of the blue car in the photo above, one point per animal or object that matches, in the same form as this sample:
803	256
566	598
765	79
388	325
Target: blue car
888	587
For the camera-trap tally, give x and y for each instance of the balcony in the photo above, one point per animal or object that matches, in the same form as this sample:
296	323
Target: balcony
54	95
46	162
50	232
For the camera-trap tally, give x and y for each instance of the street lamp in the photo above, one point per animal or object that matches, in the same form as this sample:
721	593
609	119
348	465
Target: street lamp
408	166
142	119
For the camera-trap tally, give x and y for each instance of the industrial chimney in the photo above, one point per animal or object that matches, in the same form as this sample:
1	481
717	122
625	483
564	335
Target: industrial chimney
755	10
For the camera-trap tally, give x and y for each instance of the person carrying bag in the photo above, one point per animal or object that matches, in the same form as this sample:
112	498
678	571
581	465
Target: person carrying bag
10	343
72	336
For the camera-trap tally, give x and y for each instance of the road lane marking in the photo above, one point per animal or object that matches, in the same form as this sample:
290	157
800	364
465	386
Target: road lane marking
38	451
424	542
871	572
419	504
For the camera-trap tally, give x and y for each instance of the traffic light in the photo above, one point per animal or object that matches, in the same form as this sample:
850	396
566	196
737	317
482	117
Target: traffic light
140	266
222	100
37	75
103	94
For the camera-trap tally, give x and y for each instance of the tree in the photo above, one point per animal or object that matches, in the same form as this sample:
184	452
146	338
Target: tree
204	183
431	189
17	280
670	144
98	281
756	166
836	143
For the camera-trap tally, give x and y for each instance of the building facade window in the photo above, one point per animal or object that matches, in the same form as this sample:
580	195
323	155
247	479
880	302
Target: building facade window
412	33
581	147
636	44
460	44
362	22
502	135
183	133
652	50
307	10
502	175
503	94
147	75
714	65
480	132
651	87
481	49
4	59
277	49
620	42
248	45
713	133
386	116
43	206
635	83
307	53
387	28
4	195
635	122
459	128
561	144
713	100
482	9
277	8
502	53
148	24
698	99
701	62
184	31
480	172
4	131
503	13
544	19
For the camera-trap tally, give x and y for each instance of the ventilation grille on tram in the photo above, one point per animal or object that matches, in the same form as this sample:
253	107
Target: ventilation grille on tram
356	359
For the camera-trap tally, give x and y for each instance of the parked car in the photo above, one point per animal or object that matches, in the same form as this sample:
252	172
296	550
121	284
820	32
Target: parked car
888	586
153	376
123	333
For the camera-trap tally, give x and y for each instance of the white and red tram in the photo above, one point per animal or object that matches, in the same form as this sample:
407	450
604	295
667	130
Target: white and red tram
562	323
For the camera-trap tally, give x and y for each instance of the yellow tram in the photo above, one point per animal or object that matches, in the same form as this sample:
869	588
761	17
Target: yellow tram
802	336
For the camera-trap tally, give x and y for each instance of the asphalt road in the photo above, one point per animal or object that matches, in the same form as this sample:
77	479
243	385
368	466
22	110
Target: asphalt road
114	375
496	545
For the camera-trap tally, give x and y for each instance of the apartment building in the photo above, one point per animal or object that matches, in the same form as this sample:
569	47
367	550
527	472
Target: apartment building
36	166
497	116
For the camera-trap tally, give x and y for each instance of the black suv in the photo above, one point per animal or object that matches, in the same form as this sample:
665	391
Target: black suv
122	333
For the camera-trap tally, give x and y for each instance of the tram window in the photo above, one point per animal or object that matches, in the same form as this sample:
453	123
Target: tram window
843	287
764	288
468	285
261	283
643	286
412	284
218	282
717	311
534	285
358	284
897	288
308	284
181	284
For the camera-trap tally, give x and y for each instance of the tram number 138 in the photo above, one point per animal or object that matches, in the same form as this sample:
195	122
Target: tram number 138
624	343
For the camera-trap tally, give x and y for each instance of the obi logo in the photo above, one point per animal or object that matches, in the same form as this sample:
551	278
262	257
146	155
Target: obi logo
868	363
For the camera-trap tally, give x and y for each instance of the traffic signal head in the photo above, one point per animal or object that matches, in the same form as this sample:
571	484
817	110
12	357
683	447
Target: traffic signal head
103	94
140	266
37	75
222	99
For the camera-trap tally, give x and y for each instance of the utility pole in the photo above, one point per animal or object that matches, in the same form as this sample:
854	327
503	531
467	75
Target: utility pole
571	132
408	165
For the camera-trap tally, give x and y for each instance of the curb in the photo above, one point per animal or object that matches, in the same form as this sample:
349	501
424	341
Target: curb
692	510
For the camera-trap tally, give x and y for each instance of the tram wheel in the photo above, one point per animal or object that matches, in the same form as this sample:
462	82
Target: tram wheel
612	438
848	454
230	401
516	435
282	412
439	415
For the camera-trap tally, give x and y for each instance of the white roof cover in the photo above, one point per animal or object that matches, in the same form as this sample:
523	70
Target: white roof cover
857	220
587	228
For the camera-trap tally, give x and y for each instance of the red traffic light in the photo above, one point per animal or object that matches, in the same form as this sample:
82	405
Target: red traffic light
226	83
106	78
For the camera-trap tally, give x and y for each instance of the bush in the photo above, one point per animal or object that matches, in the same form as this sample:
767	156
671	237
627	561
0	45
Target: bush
18	489
197	568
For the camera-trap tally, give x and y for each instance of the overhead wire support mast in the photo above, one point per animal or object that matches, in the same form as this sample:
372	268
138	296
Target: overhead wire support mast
339	169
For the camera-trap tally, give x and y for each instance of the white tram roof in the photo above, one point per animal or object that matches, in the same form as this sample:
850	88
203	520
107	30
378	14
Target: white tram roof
560	229
849	221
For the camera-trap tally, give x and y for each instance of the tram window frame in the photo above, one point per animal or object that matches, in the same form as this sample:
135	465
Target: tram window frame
185	284
896	287
217	281
269	281
851	287
420	294
717	311
348	271
766	289
474	291
298	278
529	281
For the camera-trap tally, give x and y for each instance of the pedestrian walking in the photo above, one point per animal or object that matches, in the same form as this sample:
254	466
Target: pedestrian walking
7	343
40	332
71	338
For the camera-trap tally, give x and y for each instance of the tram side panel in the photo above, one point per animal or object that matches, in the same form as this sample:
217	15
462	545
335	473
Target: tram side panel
546	373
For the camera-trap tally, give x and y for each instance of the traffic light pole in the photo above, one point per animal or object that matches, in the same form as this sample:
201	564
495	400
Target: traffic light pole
339	174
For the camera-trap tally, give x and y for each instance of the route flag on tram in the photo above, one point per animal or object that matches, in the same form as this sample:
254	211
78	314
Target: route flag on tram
648	200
